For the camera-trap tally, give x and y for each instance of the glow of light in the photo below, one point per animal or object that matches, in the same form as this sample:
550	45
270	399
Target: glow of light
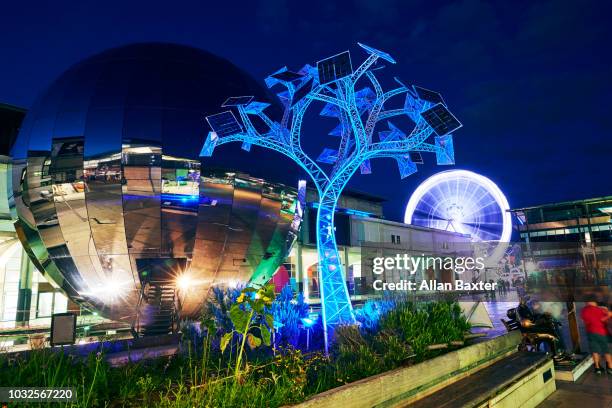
530	266
607	210
9	252
184	282
110	291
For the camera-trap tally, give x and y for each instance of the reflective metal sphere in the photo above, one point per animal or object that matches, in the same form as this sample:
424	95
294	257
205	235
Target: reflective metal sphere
107	210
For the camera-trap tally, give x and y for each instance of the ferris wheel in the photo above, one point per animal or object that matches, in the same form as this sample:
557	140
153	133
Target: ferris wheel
464	202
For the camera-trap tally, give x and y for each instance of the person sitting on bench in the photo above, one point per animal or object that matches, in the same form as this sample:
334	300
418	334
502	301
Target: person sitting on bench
534	320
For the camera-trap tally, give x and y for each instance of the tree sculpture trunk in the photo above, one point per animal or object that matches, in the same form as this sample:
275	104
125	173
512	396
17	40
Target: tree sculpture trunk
335	301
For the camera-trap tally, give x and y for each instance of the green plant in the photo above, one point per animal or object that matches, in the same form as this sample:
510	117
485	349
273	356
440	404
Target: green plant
425	324
393	350
145	385
251	320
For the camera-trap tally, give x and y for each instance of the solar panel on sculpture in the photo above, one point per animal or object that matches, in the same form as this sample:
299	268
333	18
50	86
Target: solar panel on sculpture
337	131
328	156
224	123
256	107
406	166
428	95
237	100
441	120
446	153
302	92
287	76
334	68
381	54
365	99
415	157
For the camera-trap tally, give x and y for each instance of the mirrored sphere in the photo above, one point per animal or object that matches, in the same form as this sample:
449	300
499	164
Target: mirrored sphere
113	204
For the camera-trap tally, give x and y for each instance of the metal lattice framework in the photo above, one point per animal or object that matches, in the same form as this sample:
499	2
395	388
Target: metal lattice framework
358	112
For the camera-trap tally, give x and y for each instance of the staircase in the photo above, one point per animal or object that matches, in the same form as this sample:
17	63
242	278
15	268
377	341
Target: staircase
159	310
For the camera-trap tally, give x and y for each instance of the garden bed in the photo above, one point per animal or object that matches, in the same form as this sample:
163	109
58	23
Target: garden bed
249	349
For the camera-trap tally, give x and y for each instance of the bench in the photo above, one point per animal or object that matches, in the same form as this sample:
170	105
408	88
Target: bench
522	379
490	373
511	325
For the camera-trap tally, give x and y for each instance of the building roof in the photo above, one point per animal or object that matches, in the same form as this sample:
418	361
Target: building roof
363	196
6	106
566	203
410	226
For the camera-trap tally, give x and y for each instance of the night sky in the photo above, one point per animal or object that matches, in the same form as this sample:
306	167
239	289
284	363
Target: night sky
531	82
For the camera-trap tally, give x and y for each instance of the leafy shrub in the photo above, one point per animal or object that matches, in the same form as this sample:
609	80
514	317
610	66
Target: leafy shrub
425	324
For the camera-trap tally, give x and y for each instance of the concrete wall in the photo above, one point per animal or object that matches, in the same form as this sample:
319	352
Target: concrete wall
367	231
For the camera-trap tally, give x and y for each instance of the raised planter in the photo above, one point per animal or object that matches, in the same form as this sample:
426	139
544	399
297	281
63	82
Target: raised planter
572	374
405	385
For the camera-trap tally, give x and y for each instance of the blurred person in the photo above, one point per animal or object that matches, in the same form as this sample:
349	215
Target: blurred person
534	319
595	320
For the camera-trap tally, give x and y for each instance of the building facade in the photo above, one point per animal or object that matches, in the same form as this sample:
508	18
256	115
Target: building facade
27	299
362	234
570	239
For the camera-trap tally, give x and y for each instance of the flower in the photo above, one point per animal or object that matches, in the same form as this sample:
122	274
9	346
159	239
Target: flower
240	298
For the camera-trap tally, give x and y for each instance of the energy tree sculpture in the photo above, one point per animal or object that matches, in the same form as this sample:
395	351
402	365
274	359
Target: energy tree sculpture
356	99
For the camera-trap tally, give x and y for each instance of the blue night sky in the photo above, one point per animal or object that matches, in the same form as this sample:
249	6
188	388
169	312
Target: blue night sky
531	82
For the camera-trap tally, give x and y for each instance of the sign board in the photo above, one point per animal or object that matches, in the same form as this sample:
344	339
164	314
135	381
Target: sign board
63	329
